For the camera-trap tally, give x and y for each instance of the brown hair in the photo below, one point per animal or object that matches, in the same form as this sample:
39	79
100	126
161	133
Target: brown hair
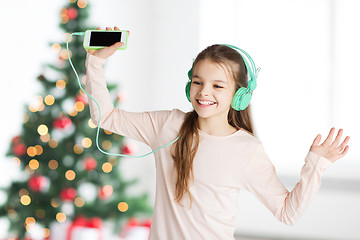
184	150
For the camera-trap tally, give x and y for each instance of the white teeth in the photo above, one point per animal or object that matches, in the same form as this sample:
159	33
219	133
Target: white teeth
205	102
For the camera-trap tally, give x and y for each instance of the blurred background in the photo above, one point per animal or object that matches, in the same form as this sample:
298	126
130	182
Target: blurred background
307	51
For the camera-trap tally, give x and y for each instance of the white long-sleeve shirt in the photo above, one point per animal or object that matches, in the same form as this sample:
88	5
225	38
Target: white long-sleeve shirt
223	166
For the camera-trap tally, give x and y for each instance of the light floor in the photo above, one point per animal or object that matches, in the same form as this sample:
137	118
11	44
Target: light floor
244	237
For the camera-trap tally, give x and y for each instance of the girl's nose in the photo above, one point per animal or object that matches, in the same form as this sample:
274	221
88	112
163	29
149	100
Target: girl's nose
204	91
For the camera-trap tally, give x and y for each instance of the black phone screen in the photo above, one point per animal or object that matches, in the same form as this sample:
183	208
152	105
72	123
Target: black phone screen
104	38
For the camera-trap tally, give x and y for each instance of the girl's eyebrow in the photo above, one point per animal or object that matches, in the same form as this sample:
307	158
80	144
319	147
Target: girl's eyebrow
216	80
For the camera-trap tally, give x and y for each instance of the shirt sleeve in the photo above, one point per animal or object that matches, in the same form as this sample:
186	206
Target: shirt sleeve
142	126
287	207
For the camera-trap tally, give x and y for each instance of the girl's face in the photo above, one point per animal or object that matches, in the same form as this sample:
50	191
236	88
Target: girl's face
212	90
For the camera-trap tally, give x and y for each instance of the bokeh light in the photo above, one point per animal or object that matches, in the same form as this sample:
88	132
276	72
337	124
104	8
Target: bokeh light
106	144
56	47
54	203
60	217
46	233
45	138
86	142
25	200
42	129
78	149
34	164
23	191
79	106
53	143
49	100
123	206
60	84
107	132
39	149
31	151
53	164
107	167
37	105
79	202
70	175
73	112
82	3
91	124
30	220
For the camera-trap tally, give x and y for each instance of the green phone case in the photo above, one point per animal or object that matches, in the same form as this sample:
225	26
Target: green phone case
96	48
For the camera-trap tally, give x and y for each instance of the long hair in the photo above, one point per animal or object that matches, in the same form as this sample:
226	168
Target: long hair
184	150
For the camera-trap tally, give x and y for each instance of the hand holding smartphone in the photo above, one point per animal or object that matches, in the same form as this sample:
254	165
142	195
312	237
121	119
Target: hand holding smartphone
104	43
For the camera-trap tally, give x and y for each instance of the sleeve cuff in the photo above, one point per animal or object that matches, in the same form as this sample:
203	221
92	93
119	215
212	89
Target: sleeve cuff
94	60
318	161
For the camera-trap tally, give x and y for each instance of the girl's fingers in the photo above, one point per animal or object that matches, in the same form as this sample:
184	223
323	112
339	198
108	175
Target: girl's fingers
337	138
317	140
109	28
344	143
330	136
345	150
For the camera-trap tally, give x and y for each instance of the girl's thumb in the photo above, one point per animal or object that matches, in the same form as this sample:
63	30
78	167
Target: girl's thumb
117	45
108	51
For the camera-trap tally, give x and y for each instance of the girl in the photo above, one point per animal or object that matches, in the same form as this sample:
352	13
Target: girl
198	178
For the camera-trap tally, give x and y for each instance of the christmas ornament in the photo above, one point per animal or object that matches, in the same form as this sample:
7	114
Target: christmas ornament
19	149
105	192
135	230
87	191
62	123
81	227
68	194
128	149
15	139
68	208
89	164
81	98
72	13
37	183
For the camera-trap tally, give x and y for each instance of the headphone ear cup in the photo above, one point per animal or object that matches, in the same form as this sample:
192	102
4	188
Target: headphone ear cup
187	90
190	73
188	85
241	99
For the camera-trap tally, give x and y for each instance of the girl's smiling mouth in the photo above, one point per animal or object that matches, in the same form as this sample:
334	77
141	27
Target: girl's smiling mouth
205	102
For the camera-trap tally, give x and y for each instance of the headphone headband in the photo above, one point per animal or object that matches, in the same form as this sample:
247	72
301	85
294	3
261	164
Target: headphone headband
249	63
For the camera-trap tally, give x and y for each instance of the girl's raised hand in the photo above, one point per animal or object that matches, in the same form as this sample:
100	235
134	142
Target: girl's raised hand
332	150
107	51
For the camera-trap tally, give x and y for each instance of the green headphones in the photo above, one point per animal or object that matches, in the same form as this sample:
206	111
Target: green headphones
243	95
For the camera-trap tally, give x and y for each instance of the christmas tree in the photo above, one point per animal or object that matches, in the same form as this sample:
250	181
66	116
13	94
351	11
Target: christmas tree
63	173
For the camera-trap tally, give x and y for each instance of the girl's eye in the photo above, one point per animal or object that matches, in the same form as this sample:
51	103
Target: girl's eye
198	83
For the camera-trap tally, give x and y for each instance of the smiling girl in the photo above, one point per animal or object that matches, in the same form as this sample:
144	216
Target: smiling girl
199	177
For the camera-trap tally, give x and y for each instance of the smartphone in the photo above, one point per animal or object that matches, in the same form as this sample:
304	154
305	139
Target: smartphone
97	39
